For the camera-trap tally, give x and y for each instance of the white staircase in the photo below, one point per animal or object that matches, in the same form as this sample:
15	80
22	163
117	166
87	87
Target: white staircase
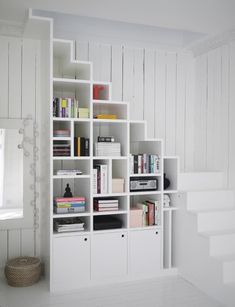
206	234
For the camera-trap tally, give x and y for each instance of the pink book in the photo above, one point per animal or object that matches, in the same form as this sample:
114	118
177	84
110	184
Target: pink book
69	199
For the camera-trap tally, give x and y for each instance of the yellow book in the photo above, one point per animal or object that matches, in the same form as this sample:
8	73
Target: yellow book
64	103
106	116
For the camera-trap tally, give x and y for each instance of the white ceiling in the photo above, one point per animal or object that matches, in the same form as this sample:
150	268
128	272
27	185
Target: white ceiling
205	16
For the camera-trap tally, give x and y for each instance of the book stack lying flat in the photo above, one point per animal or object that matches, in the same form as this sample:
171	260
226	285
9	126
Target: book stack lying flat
69	224
83	112
107	149
144	164
63	205
68	172
100	179
81	146
103	205
61	133
61	149
106	116
151	213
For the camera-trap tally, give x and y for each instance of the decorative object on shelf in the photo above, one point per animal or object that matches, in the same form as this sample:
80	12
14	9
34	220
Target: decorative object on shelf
97	90
167	182
68	192
138	184
23	271
166	201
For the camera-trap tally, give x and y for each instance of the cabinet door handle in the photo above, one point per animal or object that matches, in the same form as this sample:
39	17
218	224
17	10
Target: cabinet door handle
122	236
85	239
156	232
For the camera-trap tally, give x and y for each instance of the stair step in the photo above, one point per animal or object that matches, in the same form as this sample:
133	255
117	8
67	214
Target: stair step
212	199
228	262
198	181
215	220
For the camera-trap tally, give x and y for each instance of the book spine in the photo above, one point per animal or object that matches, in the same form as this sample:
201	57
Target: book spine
69	199
139	164
144	163
135	164
151	213
75	146
94	181
87	147
82	146
104	179
131	164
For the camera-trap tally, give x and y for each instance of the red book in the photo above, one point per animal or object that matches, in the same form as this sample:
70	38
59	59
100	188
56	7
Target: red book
151	213
69	199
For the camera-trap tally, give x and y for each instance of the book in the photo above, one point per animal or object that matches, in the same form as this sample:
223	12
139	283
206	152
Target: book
107	149
103	178
151	212
106	116
68	172
69	210
69	199
95	181
144	209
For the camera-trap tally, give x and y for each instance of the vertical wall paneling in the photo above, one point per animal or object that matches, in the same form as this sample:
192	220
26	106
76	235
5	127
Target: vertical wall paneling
128	79
189	113
149	91
214	97
81	51
3	247
180	110
231	117
224	116
28	78
4	63
27	237
201	69
139	83
14	243
15	73
170	119
160	90
116	72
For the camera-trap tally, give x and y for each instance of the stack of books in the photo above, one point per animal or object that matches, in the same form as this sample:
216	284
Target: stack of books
102	205
81	146
106	116
107	149
100	179
83	112
144	164
151	212
61	133
68	172
61	149
63	205
65	107
69	224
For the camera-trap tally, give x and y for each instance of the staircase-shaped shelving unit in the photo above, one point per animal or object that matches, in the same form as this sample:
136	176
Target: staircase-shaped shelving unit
128	252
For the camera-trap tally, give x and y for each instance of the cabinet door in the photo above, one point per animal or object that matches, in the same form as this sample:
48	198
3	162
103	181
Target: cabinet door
145	252
109	256
70	262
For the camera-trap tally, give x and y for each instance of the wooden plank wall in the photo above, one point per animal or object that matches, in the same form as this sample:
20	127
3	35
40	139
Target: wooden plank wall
18	80
157	84
215	111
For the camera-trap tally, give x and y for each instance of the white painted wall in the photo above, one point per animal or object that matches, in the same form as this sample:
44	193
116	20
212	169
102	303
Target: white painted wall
215	111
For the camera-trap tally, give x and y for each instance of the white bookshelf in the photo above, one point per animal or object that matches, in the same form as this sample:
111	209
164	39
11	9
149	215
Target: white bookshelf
109	254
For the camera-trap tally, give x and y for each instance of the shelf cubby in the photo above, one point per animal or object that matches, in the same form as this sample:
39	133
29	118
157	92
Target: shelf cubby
120	110
117	130
121	217
85	219
80	187
119	171
64	63
83	166
122	203
103	93
171	171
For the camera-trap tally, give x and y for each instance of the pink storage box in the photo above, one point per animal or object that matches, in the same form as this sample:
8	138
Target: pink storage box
136	217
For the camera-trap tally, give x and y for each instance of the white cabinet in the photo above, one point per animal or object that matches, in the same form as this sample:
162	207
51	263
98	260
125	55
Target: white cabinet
109	256
144	252
71	262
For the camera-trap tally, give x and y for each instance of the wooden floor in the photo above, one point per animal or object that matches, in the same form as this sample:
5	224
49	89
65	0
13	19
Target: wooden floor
162	292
